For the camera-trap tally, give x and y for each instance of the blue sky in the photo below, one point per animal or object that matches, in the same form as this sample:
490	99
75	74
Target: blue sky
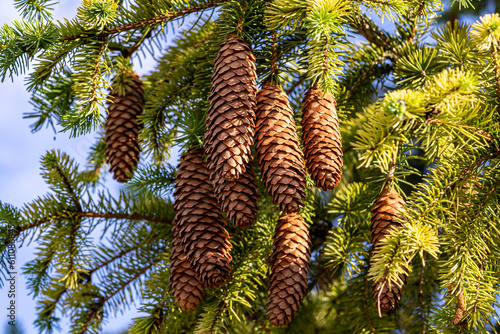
20	180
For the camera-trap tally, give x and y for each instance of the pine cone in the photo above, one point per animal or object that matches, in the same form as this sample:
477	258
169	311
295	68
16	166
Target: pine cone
277	144
459	308
184	285
231	116
200	221
122	128
322	140
289	268
238	198
387	207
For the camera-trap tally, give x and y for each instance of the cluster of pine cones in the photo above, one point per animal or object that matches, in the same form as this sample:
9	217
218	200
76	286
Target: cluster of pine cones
223	186
217	183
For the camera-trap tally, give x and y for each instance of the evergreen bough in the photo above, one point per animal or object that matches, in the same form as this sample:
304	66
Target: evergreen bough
419	112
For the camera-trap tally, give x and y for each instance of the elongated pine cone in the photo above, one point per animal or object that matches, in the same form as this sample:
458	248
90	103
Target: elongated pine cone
184	285
321	138
122	128
278	151
290	263
459	308
387	207
200	222
238	198
231	117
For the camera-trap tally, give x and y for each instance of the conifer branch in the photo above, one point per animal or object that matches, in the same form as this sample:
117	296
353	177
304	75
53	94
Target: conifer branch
261	324
127	52
130	280
116	257
274	54
325	57
366	307
72	248
468	127
494	54
138	43
113	46
94	309
465	175
364	26
367	71
153	20
94	88
297	83
222	306
421	295
69	188
22	228
415	21
492	189
85	214
132	216
476	297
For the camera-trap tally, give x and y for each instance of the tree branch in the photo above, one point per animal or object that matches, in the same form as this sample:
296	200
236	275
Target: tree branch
105	215
297	83
113	258
419	13
494	54
421	295
152	20
94	309
69	187
365	27
359	81
367	310
129	216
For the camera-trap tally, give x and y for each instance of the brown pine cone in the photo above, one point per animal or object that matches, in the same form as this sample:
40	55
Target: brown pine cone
184	285
238	198
200	221
122	128
321	138
278	151
231	116
387	207
459	308
290	263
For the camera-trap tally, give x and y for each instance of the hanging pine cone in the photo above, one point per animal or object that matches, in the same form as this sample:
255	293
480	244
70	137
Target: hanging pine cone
387	207
186	288
459	308
200	221
321	138
277	144
238	198
289	268
122	128
231	116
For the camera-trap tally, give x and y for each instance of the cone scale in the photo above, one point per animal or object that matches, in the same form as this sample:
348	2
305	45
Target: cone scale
238	198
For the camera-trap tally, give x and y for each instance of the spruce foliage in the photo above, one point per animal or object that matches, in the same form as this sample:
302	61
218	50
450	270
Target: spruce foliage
419	112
